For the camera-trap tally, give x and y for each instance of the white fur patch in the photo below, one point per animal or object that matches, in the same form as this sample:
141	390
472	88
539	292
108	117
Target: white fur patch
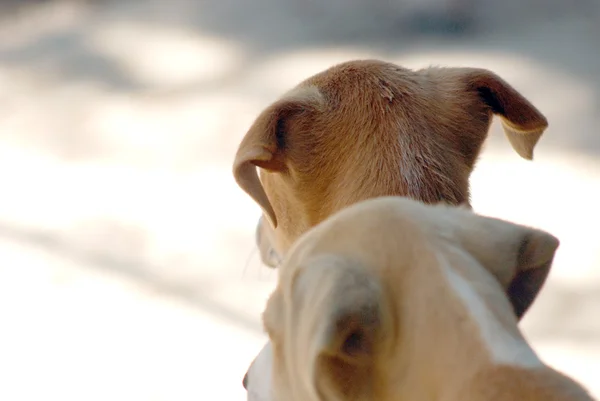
304	93
504	347
259	383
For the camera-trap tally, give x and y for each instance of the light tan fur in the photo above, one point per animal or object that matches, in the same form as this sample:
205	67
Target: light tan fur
366	309
368	128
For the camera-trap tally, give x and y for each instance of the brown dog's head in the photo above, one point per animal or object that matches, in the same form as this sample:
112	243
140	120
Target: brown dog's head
392	299
365	129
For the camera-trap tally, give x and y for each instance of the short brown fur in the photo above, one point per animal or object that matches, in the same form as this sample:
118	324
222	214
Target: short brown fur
368	128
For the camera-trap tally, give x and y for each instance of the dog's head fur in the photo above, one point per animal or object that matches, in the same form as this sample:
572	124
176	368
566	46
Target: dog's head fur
392	299
364	129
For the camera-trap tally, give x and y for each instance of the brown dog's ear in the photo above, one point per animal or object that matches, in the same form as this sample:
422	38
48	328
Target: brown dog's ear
259	148
523	124
264	145
519	257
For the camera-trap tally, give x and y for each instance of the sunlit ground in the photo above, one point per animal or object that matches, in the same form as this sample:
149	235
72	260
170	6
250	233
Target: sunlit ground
127	264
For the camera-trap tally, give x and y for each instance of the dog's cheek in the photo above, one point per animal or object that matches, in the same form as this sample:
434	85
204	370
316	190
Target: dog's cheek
272	258
263	238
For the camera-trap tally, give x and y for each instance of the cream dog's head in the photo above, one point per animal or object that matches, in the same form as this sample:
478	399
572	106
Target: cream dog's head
391	299
364	129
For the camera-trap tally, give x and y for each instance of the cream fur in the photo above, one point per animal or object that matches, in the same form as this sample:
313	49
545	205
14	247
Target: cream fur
504	347
391	299
368	128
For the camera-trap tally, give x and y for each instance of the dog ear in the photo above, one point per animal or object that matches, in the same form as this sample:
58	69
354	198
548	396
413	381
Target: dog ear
352	329
260	147
264	145
334	327
346	304
534	260
523	123
519	257
324	322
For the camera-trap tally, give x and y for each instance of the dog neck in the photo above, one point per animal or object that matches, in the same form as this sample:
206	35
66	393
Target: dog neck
511	369
468	371
510	383
484	357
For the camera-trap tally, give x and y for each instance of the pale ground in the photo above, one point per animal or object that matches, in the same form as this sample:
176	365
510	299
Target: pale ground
127	269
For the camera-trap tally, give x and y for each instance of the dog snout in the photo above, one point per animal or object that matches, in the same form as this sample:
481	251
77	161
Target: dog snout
258	233
245	381
268	254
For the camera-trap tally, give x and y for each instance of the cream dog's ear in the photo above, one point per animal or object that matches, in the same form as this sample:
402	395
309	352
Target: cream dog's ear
523	124
345	304
534	260
264	145
352	325
326	314
335	325
519	257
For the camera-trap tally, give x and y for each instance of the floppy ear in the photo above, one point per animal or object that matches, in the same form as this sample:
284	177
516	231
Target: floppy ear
261	147
325	324
345	304
523	124
534	260
352	328
519	257
264	145
339	312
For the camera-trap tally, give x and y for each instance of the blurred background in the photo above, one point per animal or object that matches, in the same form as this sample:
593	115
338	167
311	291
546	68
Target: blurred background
127	262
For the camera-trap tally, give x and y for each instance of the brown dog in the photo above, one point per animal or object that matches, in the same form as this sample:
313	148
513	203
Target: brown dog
391	299
365	129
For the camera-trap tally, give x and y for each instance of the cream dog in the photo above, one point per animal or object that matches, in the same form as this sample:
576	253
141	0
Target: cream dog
391	299
364	129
